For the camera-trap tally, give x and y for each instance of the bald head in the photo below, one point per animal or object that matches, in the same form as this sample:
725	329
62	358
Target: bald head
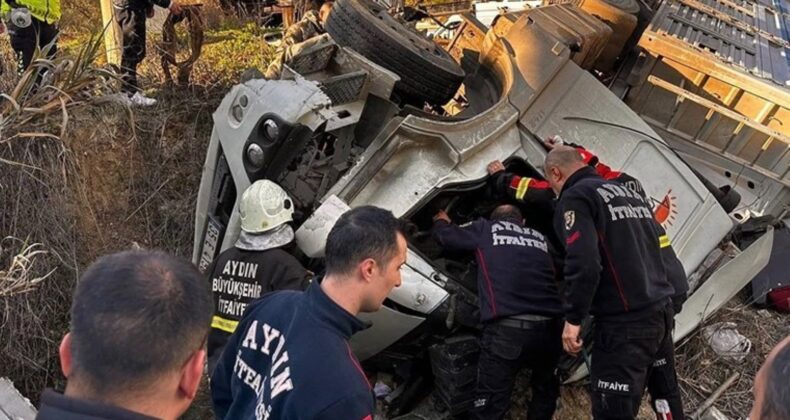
771	387
506	211
561	163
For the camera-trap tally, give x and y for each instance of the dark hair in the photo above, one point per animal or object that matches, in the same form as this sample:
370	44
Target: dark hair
135	316
506	211
776	401
360	233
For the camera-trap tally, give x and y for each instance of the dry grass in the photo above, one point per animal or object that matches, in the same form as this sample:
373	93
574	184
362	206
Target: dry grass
81	177
701	370
20	275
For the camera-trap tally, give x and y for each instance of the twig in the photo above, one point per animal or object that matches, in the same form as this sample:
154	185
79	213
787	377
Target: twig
716	394
153	194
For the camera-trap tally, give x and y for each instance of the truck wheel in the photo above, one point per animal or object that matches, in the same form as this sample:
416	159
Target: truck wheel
428	73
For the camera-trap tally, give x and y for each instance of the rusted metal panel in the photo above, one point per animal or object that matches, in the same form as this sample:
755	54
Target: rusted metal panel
749	36
713	80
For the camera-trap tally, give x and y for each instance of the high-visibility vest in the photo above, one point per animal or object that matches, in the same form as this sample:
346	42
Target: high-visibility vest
43	10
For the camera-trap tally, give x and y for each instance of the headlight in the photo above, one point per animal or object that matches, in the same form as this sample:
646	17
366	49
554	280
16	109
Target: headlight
255	155
271	130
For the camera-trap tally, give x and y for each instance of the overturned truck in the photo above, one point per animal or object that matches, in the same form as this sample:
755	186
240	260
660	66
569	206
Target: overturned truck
375	114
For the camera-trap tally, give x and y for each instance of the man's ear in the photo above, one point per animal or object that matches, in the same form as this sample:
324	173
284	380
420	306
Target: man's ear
368	268
191	374
65	355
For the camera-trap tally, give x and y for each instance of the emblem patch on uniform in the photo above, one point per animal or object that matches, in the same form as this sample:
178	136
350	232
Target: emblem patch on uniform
570	219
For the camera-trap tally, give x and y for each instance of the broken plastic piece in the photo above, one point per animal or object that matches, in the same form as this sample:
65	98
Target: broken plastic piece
726	341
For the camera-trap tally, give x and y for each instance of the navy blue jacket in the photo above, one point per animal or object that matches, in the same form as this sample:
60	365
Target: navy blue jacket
613	262
290	359
56	406
515	272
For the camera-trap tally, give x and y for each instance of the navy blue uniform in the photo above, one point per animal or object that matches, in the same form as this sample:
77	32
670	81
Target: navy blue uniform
538	195
290	359
515	269
614	270
520	309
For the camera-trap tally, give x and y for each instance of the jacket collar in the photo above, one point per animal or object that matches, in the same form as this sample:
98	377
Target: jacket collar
55	405
583	173
331	314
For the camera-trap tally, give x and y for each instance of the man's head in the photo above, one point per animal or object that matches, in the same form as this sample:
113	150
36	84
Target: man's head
562	162
771	386
507	211
139	322
323	12
366	250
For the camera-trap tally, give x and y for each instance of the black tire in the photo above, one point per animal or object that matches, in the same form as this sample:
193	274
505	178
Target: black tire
427	72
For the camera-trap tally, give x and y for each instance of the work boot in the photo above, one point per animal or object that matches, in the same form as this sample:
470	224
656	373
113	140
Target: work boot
141	100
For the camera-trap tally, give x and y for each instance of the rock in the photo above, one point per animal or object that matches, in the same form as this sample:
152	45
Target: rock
713	413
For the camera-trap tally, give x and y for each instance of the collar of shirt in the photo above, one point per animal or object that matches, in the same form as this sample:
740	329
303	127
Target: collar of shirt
331	314
583	173
55	405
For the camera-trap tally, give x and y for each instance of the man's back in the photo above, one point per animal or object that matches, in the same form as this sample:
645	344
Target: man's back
238	277
632	275
515	268
290	359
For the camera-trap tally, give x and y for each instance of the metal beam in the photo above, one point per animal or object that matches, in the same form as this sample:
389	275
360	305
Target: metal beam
718	108
701	7
671	50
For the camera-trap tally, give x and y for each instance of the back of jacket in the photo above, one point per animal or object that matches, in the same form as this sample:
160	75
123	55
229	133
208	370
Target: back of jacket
515	273
240	277
613	262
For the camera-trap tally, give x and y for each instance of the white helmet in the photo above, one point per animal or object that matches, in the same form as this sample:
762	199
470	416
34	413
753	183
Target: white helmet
264	206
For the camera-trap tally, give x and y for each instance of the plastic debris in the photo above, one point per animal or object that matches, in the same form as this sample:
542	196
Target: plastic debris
381	389
726	341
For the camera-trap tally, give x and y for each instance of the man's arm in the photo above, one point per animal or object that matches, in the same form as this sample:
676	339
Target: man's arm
582	265
294	276
530	191
676	274
221	389
452	237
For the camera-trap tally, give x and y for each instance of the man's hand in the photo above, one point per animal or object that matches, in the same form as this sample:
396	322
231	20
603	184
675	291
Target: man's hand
553	141
494	167
442	215
571	341
175	8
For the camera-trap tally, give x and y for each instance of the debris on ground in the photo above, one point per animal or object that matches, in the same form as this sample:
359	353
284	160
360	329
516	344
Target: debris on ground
726	341
13	406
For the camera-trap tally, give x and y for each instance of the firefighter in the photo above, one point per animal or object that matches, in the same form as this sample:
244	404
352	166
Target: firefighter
31	24
256	265
537	193
290	357
520	309
131	16
310	26
613	270
662	382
